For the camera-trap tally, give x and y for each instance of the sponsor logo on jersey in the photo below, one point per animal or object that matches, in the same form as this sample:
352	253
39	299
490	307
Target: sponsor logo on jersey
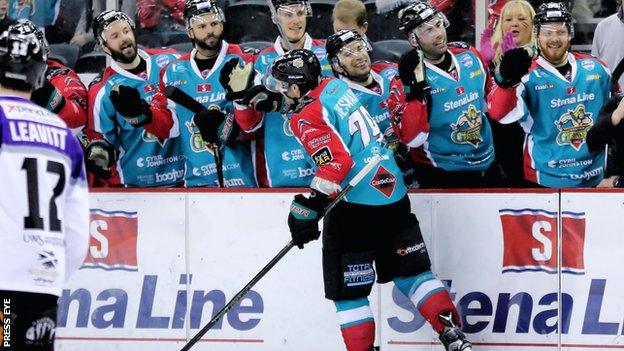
384	181
322	156
460	90
5	321
466	61
293	155
411	249
359	274
476	73
573	127
177	83
112	241
149	87
593	77
468	98
588	64
162	60
530	241
320	140
467	129
571	90
204	88
576	99
544	86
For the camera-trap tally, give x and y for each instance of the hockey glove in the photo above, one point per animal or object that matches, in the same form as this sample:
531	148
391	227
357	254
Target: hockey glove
208	122
129	104
515	63
100	157
262	99
412	73
48	97
236	80
303	217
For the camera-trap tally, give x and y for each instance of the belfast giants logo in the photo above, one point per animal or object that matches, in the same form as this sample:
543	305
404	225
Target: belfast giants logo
530	241
467	130
573	127
112	240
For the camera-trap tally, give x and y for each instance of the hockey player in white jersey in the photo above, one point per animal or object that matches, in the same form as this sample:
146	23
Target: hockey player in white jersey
44	210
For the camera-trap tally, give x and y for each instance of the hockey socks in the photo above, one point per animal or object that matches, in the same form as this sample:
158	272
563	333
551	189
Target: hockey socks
430	296
356	324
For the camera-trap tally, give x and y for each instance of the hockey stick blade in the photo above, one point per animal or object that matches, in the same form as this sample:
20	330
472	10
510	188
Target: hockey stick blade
241	294
183	99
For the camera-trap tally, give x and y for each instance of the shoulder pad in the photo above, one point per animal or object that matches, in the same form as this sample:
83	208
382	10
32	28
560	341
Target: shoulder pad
303	102
459	44
251	51
96	80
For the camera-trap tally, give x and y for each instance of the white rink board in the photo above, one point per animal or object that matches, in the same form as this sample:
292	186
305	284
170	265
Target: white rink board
223	239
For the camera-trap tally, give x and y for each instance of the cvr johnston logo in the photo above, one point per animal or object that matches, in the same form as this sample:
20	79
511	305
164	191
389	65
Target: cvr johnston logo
530	241
112	241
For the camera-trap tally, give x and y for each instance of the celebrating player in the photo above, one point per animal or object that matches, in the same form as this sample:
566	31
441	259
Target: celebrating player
128	122
440	104
197	74
557	98
44	209
340	137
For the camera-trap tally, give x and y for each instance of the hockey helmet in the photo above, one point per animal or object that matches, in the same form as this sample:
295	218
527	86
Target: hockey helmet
553	12
418	13
194	8
23	60
25	27
297	66
283	5
340	39
105	19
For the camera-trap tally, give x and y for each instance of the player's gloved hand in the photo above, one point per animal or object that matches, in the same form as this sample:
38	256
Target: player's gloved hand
236	80
262	99
100	156
129	104
514	64
412	73
403	160
303	217
48	97
216	127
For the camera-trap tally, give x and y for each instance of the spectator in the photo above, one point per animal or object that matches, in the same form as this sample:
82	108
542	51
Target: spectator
128	124
608	44
556	97
609	130
160	22
83	37
351	15
5	20
439	104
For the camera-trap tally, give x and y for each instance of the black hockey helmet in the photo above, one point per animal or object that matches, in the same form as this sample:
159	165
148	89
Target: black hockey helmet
194	8
25	27
553	12
299	67
338	40
305	3
22	60
104	19
417	13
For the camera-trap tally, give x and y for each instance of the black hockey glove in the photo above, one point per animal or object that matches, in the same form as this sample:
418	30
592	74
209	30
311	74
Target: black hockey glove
412	73
48	97
262	99
236	80
129	104
216	127
303	217
514	64
100	156
403	160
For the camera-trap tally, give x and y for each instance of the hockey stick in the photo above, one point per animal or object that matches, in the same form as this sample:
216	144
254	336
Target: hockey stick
241	294
183	99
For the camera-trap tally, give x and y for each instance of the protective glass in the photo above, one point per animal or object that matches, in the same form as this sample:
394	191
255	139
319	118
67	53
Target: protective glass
550	31
432	27
207	18
353	49
275	85
299	10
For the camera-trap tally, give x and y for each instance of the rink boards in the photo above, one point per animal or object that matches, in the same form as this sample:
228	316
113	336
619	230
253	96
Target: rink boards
160	263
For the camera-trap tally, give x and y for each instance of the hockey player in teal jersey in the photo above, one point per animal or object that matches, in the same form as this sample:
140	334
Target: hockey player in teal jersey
128	125
556	97
197	74
442	110
340	137
280	160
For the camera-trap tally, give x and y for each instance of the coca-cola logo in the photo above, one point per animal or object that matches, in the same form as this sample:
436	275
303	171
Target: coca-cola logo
384	181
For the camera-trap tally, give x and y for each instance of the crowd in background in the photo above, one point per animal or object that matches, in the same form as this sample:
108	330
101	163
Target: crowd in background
161	23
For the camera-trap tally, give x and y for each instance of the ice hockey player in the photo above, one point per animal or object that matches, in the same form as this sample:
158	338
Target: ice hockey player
44	208
442	113
556	97
340	137
62	92
197	74
128	124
